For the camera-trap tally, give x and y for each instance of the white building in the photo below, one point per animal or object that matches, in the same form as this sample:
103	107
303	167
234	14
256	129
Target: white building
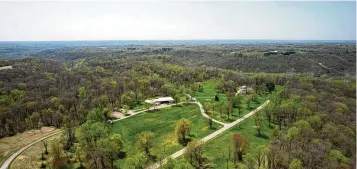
160	100
243	90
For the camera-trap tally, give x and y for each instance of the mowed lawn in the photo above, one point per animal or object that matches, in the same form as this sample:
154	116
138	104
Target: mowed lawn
218	147
208	95
161	122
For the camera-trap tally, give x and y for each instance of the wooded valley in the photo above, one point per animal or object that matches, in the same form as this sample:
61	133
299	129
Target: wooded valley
310	121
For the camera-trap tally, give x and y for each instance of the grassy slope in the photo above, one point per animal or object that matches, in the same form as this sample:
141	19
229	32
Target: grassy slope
162	123
208	94
30	158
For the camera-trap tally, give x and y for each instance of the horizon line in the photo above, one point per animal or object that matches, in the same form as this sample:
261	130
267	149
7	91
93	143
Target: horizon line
178	40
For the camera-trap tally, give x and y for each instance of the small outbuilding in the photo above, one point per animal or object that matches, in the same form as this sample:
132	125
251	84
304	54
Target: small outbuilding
161	100
242	90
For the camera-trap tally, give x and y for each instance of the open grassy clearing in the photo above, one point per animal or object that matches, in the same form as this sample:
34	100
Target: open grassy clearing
217	148
161	122
10	145
208	95
30	158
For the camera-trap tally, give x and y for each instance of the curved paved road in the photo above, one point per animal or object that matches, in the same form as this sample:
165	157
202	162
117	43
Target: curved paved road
6	164
215	134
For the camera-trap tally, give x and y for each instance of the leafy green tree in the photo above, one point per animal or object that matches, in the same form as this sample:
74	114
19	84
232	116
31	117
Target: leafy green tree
260	154
101	101
34	119
69	134
137	161
110	148
96	115
240	145
90	135
82	93
216	98
295	164
79	155
237	100
145	142
183	127
293	133
56	149
210	123
194	154
270	86
337	156
17	94
258	120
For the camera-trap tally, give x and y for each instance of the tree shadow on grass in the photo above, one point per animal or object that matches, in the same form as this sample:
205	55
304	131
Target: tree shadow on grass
257	101
263	136
153	110
152	157
184	142
212	128
177	105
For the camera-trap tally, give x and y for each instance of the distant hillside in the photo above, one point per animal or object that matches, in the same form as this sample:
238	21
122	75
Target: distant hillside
324	59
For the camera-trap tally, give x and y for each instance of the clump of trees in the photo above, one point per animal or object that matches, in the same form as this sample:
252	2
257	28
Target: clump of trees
99	147
194	154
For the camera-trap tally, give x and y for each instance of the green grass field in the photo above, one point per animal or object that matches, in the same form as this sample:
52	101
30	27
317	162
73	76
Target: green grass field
208	94
217	148
162	123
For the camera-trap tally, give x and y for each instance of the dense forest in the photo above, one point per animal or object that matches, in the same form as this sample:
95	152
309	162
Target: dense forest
314	115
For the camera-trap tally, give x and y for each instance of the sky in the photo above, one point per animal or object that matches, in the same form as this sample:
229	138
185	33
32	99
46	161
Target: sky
299	20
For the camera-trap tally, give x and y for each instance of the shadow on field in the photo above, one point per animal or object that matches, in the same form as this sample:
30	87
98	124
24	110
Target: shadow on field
263	136
184	142
153	111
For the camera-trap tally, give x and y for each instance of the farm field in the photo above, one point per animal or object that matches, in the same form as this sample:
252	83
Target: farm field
161	122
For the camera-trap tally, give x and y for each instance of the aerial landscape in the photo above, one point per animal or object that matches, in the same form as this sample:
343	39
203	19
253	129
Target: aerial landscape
119	85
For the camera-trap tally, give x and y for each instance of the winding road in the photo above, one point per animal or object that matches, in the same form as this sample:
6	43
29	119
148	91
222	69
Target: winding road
225	127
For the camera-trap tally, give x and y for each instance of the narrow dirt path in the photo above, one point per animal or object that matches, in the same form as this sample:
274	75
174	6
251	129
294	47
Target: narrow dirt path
213	135
203	112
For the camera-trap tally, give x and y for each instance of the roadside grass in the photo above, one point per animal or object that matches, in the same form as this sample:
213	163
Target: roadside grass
162	123
139	106
208	95
9	145
30	158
